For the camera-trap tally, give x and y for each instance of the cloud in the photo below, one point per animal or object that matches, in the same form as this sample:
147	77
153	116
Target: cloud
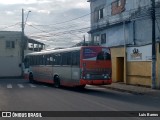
9	12
44	11
82	5
12	2
44	14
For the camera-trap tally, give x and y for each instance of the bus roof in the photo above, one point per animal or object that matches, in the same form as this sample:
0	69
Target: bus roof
59	50
54	51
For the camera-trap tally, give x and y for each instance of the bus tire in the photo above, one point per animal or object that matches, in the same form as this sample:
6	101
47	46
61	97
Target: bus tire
31	80
57	81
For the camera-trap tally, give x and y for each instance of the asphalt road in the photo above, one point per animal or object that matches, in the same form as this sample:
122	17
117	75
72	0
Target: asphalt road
20	95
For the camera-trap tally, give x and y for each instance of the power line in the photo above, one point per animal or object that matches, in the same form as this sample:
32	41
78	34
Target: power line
65	21
10	26
81	30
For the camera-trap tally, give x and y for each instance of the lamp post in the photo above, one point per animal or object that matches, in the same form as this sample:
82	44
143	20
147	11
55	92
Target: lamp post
22	39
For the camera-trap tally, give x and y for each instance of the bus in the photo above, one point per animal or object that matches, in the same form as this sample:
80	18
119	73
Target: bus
77	66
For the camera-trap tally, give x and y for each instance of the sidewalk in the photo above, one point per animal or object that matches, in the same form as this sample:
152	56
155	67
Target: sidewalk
133	89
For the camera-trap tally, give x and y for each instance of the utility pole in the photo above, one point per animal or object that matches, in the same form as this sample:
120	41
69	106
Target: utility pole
22	42
84	42
153	45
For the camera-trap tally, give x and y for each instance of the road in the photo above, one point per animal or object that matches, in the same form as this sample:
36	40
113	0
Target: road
20	95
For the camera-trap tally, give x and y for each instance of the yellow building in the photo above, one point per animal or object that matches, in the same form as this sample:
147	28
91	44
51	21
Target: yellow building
137	71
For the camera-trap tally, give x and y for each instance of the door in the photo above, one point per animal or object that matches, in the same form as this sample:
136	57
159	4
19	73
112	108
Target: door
120	69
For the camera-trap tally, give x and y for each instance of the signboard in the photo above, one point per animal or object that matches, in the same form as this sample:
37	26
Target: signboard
95	53
142	53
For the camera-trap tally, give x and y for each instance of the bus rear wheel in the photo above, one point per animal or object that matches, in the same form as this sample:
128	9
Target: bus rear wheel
57	81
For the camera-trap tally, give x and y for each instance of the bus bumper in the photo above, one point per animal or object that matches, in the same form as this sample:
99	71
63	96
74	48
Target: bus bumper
95	82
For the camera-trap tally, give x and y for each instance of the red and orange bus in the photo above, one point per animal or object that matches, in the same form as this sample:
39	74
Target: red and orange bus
75	66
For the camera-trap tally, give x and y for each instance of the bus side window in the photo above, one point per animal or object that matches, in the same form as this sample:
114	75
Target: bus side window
103	56
57	59
41	60
47	59
108	56
66	59
38	60
76	58
51	60
26	62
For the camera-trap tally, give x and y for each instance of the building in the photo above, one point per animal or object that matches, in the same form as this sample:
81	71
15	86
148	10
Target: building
126	27
11	53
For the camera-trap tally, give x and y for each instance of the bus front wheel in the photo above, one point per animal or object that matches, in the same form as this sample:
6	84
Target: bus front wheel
56	81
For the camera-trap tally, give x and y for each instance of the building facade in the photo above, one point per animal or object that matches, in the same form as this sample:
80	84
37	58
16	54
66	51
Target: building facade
126	27
11	53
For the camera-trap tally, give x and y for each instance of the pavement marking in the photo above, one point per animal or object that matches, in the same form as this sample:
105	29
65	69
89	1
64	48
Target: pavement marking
20	85
9	86
31	85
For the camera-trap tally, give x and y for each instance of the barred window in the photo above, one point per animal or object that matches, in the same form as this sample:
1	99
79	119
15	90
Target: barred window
10	44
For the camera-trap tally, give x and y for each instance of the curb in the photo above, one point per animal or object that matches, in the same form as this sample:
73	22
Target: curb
123	90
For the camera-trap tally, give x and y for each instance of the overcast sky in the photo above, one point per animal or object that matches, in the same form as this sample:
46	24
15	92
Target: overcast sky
53	22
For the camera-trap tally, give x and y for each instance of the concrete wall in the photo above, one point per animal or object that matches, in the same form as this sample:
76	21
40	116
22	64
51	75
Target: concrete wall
10	66
139	73
158	66
115	54
136	73
10	58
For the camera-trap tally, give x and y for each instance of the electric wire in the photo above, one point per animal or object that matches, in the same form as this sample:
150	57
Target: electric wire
18	23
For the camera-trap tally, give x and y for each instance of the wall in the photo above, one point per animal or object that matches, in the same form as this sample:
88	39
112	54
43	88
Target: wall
116	53
139	73
134	72
10	58
158	66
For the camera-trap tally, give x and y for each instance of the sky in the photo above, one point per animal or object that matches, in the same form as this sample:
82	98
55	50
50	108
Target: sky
57	23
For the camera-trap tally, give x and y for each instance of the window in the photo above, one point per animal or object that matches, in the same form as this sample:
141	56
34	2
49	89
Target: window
10	44
44	59
98	14
101	13
76	58
57	59
119	3
66	59
118	6
26	62
47	59
103	56
103	38
96	39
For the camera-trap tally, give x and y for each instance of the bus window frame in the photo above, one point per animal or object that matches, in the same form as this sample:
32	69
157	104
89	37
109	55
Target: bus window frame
78	62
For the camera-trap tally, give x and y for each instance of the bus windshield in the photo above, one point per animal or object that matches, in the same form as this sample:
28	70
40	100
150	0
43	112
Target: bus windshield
96	53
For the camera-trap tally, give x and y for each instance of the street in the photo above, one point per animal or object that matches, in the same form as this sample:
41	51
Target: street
20	95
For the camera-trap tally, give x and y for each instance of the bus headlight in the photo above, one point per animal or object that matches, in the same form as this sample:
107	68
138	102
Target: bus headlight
106	76
88	76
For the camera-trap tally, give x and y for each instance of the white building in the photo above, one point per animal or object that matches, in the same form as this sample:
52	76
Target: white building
10	53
